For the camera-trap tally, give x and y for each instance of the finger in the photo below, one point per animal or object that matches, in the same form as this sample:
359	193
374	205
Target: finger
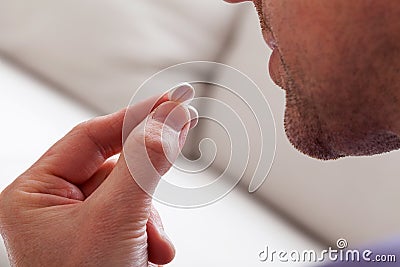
91	184
194	117
78	155
160	248
183	93
148	153
98	178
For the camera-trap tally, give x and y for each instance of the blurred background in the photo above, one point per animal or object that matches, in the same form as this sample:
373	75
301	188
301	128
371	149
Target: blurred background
62	62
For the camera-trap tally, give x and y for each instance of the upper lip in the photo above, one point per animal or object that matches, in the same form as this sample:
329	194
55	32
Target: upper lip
265	27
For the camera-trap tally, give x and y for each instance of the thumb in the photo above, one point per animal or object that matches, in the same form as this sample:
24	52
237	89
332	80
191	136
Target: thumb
149	151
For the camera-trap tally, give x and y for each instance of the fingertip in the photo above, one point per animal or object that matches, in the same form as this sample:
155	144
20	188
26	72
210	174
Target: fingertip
194	116
161	252
160	248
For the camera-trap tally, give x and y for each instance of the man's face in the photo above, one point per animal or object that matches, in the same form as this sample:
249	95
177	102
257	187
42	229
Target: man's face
339	62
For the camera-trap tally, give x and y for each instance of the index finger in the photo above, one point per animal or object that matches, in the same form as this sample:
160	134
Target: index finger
78	155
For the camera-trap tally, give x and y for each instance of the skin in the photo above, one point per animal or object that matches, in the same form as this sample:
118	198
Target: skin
74	207
339	62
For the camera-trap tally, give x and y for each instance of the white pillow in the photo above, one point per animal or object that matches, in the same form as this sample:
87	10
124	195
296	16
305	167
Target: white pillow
102	50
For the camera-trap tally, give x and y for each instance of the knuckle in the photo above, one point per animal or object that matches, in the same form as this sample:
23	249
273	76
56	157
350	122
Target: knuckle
153	139
6	204
155	142
157	146
2	200
82	127
85	129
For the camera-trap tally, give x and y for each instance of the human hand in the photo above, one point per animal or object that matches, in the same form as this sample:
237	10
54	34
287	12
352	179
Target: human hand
75	207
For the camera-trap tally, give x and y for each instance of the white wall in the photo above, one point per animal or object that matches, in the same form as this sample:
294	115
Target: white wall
230	232
354	198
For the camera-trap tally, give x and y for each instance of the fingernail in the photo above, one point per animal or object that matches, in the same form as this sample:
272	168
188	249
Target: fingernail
194	116
173	115
182	93
162	99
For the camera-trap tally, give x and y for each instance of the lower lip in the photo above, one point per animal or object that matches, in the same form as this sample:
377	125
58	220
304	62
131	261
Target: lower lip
275	64
276	68
269	39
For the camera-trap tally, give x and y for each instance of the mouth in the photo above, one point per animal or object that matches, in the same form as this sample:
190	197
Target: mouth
275	64
269	39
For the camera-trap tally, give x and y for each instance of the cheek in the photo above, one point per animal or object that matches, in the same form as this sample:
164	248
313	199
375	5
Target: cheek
306	37
319	51
334	54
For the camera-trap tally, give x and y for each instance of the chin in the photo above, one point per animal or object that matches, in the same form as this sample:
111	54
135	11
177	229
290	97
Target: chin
305	134
365	143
